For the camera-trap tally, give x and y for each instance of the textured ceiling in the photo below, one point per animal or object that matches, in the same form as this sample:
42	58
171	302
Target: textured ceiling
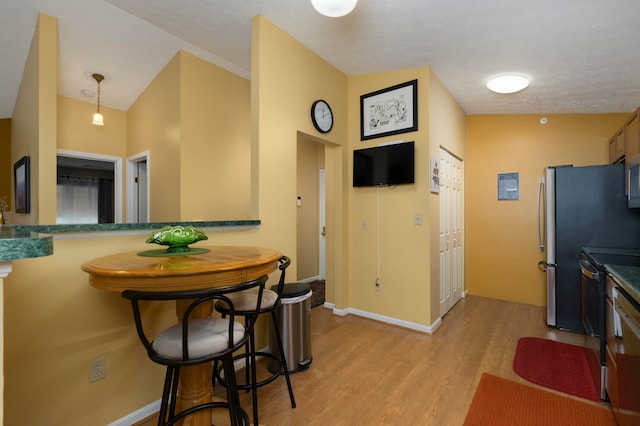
581	55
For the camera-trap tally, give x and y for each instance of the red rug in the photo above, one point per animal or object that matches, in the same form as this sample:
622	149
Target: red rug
555	365
502	402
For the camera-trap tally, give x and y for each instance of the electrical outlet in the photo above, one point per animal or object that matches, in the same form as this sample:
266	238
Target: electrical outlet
97	370
378	285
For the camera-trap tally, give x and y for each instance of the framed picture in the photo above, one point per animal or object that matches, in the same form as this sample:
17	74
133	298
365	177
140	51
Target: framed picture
389	111
434	182
21	185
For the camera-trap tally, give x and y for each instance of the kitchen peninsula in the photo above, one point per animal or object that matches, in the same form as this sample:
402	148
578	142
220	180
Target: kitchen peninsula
56	325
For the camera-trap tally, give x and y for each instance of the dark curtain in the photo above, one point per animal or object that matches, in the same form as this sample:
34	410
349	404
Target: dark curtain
105	201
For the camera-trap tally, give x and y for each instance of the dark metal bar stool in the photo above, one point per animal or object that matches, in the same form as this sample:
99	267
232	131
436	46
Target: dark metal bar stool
269	304
198	341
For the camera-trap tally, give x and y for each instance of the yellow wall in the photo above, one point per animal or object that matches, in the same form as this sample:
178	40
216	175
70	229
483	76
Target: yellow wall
6	167
403	273
285	80
409	262
194	119
77	133
154	126
215	122
34	122
502	241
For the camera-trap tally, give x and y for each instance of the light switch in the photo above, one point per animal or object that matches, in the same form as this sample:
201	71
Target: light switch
417	219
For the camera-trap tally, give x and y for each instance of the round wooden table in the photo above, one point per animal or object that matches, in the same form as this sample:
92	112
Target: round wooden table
220	266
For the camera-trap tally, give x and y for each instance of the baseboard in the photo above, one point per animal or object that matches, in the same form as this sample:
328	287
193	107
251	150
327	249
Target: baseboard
138	415
310	279
389	320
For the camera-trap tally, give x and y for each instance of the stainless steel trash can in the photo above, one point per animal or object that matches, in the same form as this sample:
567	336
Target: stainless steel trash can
294	323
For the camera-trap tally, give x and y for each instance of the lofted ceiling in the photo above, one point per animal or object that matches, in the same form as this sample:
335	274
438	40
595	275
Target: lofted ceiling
581	55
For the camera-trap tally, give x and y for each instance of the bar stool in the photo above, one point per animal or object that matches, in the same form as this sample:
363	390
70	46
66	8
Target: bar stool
243	301
198	341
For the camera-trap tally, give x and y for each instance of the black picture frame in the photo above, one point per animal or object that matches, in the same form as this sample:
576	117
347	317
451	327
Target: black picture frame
21	185
389	111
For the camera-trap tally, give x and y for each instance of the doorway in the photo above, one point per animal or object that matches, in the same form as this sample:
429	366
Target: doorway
310	214
451	220
138	188
88	188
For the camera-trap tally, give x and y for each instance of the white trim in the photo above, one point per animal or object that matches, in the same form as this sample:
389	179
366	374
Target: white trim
389	320
138	415
132	161
310	279
117	175
5	269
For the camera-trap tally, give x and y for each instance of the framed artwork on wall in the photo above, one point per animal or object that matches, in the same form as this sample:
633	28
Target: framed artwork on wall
389	111
21	187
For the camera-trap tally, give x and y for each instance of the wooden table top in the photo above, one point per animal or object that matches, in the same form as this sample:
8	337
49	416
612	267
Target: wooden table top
221	265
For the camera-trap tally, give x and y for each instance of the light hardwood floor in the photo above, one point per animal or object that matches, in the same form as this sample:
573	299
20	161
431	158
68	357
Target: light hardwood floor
369	373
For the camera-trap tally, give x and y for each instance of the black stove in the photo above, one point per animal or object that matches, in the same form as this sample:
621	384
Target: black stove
600	256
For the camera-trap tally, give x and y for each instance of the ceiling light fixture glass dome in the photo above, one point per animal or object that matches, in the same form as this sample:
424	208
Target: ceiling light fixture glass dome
334	8
508	83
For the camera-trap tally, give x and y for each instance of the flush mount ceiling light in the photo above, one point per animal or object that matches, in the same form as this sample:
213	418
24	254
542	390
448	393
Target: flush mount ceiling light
334	8
507	83
97	117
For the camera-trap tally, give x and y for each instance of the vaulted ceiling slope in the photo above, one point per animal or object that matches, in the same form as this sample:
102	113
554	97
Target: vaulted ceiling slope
581	55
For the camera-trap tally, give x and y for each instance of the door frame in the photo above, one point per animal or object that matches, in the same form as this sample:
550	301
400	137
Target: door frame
117	175
132	188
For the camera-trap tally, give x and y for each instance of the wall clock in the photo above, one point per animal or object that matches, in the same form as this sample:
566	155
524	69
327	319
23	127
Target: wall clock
322	116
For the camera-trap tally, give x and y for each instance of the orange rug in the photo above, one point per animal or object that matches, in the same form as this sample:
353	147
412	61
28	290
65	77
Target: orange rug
499	402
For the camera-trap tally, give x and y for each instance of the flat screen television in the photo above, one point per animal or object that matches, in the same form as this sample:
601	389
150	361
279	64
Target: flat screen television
384	165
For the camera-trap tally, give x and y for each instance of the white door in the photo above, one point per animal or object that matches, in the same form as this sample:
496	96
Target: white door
451	243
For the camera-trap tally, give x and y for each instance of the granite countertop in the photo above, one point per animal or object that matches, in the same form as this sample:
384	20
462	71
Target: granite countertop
22	244
628	277
26	241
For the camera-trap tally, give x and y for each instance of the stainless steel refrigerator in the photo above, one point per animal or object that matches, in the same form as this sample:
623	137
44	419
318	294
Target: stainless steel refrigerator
577	207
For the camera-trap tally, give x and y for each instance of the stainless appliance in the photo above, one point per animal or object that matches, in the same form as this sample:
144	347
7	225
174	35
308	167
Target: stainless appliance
579	206
627	358
594	301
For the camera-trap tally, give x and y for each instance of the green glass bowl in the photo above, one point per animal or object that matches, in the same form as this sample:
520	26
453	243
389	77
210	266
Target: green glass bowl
177	238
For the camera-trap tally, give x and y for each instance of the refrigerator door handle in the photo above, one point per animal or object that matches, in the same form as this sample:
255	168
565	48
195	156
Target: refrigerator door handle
542	222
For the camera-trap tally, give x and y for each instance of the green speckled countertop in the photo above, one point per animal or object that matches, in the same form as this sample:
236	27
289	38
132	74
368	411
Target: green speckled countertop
628	277
106	227
25	241
22	244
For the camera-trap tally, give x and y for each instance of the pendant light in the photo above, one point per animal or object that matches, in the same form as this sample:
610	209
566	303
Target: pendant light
334	8
97	117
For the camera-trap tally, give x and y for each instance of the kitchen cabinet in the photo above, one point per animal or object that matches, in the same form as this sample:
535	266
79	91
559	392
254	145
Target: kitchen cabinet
624	145
617	147
632	136
623	342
